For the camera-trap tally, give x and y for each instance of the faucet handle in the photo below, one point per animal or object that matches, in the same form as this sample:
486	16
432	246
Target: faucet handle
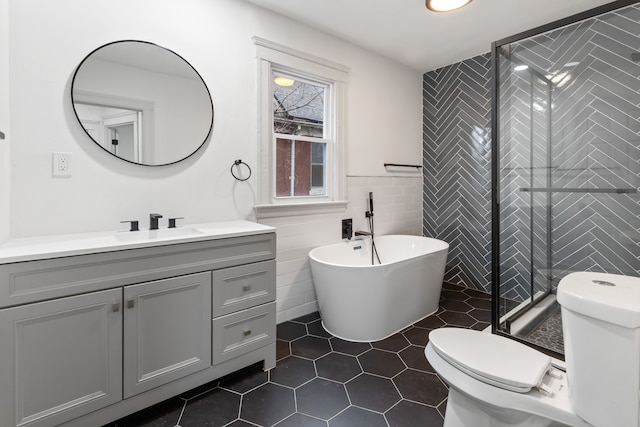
172	221
134	225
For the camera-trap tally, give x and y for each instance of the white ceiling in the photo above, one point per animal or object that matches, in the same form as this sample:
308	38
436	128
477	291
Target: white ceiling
407	32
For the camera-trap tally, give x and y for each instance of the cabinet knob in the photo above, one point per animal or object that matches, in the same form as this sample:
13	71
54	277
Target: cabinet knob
247	332
131	303
115	307
246	288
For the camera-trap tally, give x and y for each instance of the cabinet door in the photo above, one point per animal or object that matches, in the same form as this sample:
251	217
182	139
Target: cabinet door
167	331
60	359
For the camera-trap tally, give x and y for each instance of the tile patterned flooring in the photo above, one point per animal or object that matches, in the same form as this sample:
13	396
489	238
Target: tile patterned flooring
320	380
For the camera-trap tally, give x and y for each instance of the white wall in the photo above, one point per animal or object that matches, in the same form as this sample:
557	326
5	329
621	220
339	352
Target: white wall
49	39
5	160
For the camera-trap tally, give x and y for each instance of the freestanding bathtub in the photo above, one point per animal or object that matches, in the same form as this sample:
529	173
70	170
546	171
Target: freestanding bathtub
363	302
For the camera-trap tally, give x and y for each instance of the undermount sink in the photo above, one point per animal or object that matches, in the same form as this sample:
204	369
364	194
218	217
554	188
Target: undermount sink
160	234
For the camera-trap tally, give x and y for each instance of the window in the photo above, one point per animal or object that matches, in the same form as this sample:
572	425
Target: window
299	131
300	121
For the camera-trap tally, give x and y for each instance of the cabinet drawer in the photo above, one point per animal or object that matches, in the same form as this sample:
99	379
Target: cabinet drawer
244	331
243	287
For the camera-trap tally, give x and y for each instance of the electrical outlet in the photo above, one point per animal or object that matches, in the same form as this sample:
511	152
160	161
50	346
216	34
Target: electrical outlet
62	164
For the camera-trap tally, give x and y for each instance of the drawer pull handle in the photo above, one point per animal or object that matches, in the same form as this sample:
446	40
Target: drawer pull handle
247	332
131	303
246	288
115	307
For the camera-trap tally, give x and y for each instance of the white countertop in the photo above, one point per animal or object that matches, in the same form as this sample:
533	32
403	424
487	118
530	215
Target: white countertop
55	246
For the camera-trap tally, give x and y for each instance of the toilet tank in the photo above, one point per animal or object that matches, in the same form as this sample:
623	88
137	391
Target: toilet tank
601	326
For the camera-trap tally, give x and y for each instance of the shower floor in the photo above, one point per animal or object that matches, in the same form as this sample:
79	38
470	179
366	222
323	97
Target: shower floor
548	331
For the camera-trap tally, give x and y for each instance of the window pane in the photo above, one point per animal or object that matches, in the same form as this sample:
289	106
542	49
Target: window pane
297	173
298	109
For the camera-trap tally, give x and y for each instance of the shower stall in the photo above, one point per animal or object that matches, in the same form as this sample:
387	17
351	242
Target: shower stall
565	165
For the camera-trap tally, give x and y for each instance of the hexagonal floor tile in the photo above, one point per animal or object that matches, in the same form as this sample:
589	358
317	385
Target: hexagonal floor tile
431	322
372	392
240	423
358	417
395	342
453	294
348	347
379	362
484	304
405	414
481	326
413	356
321	398
455	305
292	371
480	315
453	318
290	331
283	349
421	387
268	404
301	420
338	367
245	379
316	328
216	408
474	293
310	347
417	336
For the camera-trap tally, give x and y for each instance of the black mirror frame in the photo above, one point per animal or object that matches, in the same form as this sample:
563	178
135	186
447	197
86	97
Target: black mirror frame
206	138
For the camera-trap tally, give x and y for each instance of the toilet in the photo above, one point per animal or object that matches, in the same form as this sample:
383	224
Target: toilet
497	382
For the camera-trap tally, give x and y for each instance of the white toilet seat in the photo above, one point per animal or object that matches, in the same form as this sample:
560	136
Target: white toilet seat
493	359
555	407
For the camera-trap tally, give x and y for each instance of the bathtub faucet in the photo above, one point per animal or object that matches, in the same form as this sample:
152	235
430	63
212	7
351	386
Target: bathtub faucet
363	233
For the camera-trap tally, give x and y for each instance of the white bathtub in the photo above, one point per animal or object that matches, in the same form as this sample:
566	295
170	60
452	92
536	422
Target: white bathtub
363	302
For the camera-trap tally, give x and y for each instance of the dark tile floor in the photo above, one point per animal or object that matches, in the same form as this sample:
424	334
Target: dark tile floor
320	380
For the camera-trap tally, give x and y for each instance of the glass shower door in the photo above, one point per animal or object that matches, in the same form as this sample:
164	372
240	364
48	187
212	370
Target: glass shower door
566	165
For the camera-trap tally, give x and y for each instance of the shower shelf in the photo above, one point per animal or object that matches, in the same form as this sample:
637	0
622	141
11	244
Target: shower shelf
580	190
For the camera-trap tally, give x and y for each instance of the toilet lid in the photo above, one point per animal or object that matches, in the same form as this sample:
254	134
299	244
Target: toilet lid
491	358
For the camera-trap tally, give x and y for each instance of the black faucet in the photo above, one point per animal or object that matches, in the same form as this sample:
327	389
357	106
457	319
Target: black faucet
153	221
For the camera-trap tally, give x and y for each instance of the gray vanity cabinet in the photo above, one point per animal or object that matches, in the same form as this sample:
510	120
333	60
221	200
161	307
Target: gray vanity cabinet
66	356
87	339
167	331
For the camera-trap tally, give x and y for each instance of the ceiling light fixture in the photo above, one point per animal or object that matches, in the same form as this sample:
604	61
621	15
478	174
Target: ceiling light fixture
520	67
283	81
446	5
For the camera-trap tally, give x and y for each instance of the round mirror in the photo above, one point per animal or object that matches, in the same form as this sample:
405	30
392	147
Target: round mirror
142	103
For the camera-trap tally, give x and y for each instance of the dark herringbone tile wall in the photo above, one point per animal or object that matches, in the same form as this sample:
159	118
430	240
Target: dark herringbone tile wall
457	167
595	133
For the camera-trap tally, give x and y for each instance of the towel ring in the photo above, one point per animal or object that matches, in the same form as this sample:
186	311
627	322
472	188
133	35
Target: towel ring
236	164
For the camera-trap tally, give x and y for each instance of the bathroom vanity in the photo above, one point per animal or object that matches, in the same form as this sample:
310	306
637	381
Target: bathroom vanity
97	326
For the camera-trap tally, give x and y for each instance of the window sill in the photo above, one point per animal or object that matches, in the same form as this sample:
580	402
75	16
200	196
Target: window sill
296	209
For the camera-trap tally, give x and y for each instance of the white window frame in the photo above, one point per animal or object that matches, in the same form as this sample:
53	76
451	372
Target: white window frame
272	56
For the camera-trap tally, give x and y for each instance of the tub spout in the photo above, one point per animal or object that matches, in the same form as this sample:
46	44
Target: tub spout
363	233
